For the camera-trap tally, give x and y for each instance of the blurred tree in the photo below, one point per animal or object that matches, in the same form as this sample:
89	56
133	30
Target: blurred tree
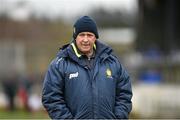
41	36
113	19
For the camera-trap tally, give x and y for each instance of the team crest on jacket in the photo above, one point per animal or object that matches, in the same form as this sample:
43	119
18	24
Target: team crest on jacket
108	72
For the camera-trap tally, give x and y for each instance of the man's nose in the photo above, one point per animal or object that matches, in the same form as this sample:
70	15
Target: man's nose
85	38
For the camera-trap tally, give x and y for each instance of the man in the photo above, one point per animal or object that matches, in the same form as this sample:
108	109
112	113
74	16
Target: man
85	80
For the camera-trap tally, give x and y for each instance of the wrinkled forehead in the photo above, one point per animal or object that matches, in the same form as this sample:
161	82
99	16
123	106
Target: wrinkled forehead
86	33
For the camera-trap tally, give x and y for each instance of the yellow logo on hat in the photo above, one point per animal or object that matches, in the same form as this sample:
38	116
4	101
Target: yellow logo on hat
108	72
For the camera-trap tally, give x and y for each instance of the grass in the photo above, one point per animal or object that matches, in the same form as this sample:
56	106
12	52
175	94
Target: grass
22	114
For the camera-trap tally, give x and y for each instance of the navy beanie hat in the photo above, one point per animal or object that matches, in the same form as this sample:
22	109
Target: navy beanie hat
85	24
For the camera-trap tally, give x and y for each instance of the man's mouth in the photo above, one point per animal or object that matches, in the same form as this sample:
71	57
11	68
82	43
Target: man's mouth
85	45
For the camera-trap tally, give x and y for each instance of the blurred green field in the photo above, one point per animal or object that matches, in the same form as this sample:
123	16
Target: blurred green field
21	114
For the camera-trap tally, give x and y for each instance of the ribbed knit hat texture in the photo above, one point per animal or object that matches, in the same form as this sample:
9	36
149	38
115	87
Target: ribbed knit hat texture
85	24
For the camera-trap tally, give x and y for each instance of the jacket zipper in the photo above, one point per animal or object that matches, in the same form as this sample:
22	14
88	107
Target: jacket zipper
92	88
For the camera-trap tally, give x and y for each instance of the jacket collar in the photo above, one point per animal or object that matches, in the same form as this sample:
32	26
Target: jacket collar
72	52
76	51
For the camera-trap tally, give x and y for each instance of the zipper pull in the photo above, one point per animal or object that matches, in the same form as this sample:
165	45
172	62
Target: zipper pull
86	67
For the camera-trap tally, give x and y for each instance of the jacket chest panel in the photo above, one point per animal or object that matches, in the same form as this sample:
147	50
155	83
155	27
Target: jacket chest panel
106	79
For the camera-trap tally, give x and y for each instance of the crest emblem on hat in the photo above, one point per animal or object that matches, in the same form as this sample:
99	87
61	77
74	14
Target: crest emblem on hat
108	72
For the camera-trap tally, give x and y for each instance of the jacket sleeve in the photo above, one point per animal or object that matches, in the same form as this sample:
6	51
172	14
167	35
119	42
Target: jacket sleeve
123	104
53	93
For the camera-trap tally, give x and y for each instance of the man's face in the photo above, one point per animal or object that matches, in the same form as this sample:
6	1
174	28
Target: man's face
85	42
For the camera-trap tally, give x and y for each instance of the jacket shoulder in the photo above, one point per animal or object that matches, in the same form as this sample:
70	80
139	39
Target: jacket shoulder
58	60
114	58
58	63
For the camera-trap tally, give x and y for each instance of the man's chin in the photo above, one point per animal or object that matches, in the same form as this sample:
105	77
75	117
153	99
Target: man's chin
85	51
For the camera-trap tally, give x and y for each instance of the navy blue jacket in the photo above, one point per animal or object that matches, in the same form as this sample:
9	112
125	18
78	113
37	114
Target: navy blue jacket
72	89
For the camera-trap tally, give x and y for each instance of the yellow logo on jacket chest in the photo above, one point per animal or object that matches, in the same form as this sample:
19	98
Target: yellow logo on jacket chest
108	72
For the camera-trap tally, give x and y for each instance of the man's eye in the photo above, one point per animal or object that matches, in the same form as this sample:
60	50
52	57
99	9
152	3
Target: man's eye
81	35
89	35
